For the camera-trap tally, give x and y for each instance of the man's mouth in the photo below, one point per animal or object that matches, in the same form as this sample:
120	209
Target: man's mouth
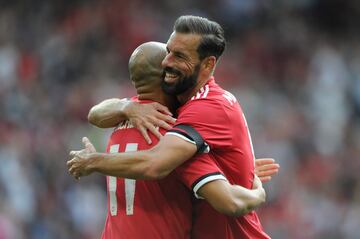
171	75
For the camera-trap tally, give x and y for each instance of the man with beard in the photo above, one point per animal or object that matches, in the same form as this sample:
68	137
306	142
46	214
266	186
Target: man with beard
210	121
162	207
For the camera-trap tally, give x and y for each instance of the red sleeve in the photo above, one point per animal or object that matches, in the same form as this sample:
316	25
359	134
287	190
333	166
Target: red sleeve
209	118
198	171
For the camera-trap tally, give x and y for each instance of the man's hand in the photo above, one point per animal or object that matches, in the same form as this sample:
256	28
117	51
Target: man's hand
150	117
78	165
145	117
265	168
257	185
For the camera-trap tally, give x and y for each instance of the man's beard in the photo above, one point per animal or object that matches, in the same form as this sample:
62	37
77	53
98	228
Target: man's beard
183	84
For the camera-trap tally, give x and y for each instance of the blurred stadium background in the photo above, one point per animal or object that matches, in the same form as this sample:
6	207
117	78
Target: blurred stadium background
294	66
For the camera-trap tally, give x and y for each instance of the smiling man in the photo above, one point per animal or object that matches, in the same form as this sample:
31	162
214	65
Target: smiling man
161	207
210	124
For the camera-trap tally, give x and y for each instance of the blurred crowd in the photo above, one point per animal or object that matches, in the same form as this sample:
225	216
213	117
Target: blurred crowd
293	65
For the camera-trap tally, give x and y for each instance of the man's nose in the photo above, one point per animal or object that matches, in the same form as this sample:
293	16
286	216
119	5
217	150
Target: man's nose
167	61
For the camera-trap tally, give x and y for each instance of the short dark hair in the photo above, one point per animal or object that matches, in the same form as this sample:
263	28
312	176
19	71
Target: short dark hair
213	39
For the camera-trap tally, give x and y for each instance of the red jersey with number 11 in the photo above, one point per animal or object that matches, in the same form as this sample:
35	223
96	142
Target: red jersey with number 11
139	209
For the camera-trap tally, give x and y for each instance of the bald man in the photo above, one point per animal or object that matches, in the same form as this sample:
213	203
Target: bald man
162	208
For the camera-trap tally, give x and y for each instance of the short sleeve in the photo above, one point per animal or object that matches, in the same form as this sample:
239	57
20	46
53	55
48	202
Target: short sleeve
209	119
199	171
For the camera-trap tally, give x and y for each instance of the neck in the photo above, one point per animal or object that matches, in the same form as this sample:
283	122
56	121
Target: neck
186	96
161	98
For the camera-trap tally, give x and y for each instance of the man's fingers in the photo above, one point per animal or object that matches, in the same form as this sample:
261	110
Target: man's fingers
166	118
161	121
263	161
169	119
265	179
164	121
154	130
143	130
145	134
88	145
267	167
73	153
76	175
164	125
162	108
267	173
86	141
70	162
257	182
72	170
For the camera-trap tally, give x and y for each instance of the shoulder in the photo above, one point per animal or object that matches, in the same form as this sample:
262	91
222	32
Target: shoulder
209	105
211	93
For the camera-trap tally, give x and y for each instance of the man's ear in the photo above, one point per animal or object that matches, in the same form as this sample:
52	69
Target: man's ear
209	63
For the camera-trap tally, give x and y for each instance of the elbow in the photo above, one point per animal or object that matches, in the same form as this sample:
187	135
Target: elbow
262	197
92	119
242	207
233	209
96	118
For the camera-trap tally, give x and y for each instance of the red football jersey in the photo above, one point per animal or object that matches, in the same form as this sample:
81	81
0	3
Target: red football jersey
216	115
139	209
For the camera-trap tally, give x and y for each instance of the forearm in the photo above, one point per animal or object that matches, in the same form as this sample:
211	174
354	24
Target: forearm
109	113
231	200
154	163
138	165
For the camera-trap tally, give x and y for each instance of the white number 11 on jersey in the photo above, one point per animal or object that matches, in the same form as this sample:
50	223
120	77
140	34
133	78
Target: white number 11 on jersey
129	185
